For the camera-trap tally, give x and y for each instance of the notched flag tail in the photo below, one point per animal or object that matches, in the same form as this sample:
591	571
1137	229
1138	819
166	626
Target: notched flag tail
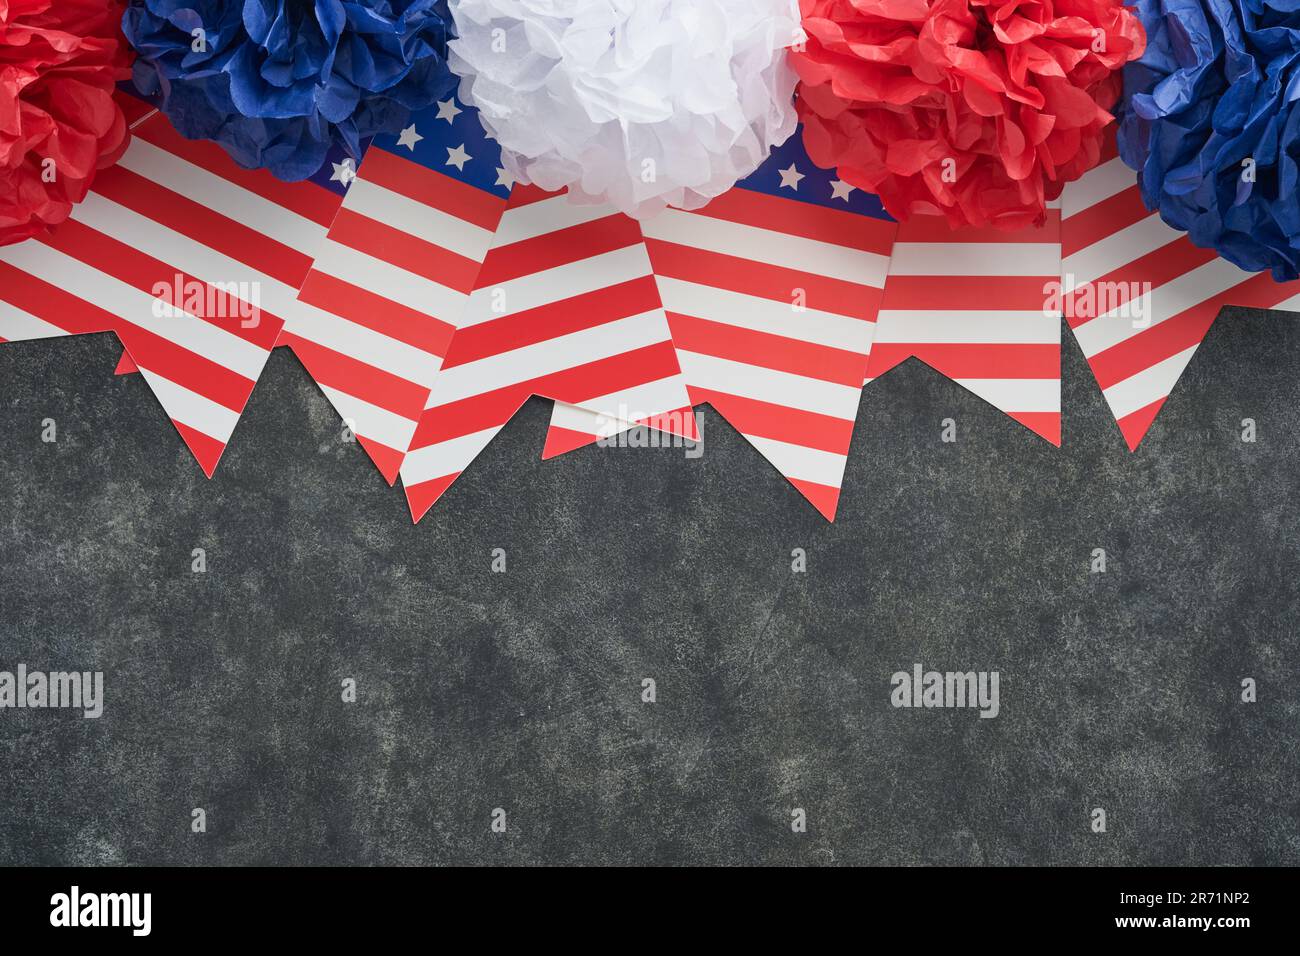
192	261
1139	296
771	292
393	277
566	308
974	304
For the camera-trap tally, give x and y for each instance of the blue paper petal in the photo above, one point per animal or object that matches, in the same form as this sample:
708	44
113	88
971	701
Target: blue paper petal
1208	120
278	82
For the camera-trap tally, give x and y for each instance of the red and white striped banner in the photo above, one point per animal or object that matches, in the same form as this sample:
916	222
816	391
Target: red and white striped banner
972	304
1139	296
565	307
772	306
192	261
390	283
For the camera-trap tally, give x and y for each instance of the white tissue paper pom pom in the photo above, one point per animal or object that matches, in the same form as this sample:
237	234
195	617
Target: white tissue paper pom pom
638	103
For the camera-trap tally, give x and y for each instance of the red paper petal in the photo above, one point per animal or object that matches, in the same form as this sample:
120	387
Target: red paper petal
59	63
978	110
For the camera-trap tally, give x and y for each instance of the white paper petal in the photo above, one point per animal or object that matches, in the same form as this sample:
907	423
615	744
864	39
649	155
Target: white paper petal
638	103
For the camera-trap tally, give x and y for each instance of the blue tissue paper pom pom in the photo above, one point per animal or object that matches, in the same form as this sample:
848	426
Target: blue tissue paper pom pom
278	82
1209	121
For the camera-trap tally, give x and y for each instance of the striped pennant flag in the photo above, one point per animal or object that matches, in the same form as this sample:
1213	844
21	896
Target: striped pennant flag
975	305
772	292
192	261
394	274
1139	296
565	307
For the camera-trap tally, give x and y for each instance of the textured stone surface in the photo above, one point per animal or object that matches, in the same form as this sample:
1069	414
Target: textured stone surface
522	690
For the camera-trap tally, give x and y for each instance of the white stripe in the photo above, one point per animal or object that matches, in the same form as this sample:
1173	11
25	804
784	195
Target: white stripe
800	463
767	246
181	252
222	196
371	421
1115	251
1096	185
551	355
137	308
364	344
764	315
967	326
191	409
553	285
1158	305
428	223
1017	394
769	385
18	326
544	217
395	284
621	410
1149	385
445	458
976	259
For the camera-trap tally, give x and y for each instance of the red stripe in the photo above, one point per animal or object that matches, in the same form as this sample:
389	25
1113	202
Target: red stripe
149	351
973	359
574	385
1184	330
307	199
560	441
206	450
399	248
1102	220
116	259
1046	424
204	225
794	426
765	350
796	218
421	497
432	188
374	312
1014	293
61	309
559	248
776	283
936	229
351	376
822	497
1135	425
153	353
1176	258
552	321
387	460
526	194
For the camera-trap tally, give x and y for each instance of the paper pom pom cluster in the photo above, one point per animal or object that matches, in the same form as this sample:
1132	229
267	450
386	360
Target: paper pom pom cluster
978	110
1212	126
642	105
612	204
59	62
277	82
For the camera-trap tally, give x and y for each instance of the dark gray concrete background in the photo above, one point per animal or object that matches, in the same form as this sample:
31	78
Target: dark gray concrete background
522	690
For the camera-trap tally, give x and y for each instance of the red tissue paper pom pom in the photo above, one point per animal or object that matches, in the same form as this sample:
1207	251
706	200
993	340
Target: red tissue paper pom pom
978	110
59	63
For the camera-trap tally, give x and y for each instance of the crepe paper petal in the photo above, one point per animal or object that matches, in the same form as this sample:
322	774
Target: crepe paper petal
976	110
1210	124
640	105
59	63
279	82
